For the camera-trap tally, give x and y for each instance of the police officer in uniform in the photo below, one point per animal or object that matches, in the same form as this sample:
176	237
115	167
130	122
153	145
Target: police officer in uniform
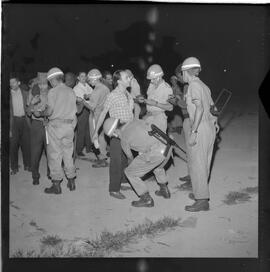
202	133
151	157
157	98
61	111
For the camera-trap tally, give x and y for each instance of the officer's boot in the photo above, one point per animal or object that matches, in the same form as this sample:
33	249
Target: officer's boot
55	188
163	191
71	184
145	201
198	205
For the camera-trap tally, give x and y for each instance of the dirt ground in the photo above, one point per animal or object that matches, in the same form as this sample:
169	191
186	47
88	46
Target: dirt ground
224	231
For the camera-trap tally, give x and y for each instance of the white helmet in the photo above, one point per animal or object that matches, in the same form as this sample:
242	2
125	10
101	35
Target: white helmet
154	71
54	72
190	63
94	74
110	125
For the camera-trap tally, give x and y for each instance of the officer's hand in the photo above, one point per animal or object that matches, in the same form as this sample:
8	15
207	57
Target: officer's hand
79	99
192	139
151	102
172	99
35	100
140	99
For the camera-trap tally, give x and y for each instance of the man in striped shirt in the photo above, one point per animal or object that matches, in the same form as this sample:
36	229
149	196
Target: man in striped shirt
119	104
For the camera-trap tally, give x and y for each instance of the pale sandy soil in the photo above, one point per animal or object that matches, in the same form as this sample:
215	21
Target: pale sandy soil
224	231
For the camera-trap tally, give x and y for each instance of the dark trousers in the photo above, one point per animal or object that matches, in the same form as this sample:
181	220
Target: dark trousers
118	163
20	138
38	144
83	133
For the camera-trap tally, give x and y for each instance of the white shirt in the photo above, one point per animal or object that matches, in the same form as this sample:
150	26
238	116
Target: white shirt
159	94
17	103
81	89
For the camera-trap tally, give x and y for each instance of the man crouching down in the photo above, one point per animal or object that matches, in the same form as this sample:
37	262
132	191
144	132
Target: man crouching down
134	136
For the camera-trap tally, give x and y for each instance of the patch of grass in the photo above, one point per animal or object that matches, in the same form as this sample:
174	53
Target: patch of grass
251	190
236	197
103	244
51	240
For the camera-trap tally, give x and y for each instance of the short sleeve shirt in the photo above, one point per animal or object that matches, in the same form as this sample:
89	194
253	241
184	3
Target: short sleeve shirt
159	94
120	105
197	90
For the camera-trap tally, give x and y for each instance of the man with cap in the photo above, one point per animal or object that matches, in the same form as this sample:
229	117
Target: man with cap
135	90
119	104
157	98
151	157
61	111
37	101
95	103
202	133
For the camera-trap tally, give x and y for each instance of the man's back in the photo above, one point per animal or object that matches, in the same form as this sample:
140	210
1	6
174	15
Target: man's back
62	100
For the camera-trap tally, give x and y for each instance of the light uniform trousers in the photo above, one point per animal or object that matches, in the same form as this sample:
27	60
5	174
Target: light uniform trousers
159	119
200	159
186	129
60	147
144	163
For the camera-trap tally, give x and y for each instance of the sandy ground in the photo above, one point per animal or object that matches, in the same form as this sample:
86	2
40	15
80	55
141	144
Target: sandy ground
224	231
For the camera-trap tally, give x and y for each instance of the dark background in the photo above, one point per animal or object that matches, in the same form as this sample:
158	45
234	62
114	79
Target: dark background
231	41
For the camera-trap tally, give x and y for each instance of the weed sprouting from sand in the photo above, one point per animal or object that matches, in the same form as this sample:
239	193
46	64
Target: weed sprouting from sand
236	197
50	240
105	243
251	190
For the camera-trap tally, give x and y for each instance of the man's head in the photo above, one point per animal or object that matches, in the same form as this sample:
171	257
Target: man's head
191	67
107	76
82	77
70	79
94	77
55	76
121	79
155	74
42	81
14	83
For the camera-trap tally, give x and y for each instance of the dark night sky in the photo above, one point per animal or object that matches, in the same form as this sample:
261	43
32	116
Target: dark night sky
231	37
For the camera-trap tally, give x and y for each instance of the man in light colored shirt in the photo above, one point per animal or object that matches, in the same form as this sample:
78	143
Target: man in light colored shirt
95	104
158	94
119	104
19	126
135	90
83	132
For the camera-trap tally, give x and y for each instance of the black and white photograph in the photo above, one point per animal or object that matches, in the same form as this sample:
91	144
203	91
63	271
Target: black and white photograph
132	129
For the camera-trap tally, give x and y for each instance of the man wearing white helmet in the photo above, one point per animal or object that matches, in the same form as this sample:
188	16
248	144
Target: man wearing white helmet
157	98
134	136
61	111
135	90
202	133
95	103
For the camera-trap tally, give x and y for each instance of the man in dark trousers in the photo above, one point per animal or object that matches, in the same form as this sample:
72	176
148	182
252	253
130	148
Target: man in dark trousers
38	98
19	126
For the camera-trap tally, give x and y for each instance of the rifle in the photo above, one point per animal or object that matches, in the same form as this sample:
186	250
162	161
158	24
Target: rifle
164	138
220	104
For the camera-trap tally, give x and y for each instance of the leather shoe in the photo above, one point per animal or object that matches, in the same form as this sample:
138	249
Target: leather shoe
199	205
145	201
117	195
186	186
185	178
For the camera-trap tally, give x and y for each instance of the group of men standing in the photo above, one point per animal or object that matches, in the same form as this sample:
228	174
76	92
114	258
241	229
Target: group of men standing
88	106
